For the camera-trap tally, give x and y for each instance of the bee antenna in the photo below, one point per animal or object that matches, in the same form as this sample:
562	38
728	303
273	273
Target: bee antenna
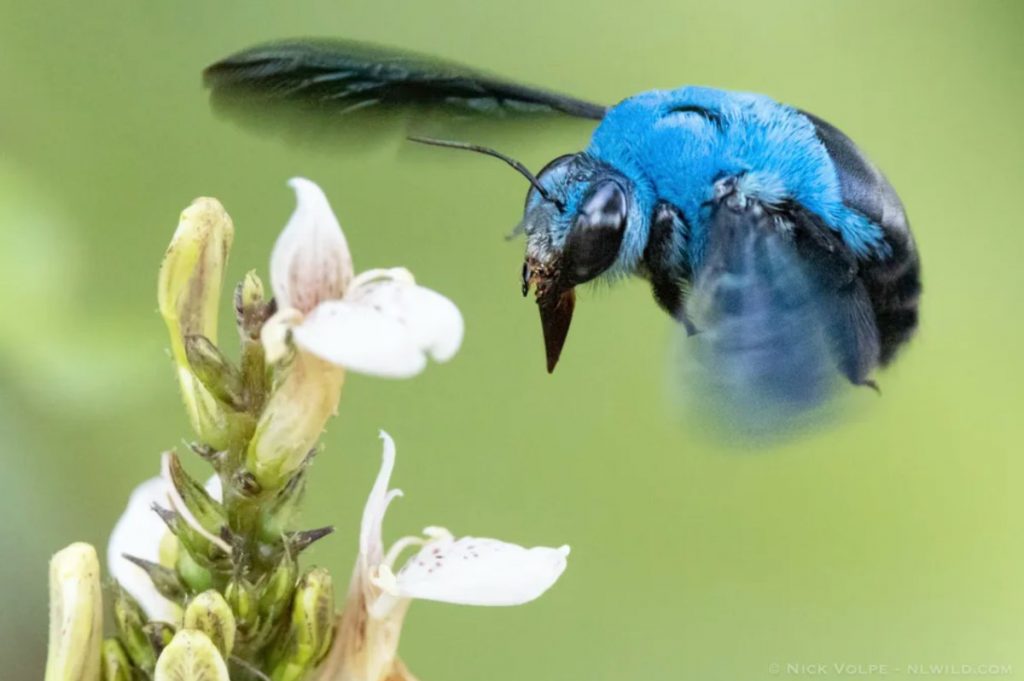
523	170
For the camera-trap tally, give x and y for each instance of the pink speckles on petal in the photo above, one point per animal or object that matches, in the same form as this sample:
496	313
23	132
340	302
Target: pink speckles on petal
480	571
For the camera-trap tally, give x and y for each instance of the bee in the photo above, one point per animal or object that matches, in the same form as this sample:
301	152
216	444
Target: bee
764	231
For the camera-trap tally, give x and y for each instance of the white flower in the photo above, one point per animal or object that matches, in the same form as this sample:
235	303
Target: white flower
465	571
140	532
379	322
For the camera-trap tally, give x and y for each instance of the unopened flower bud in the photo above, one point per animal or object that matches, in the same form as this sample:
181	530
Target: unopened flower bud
130	620
309	633
251	308
189	294
283	510
210	613
159	635
206	510
241	597
215	371
199	544
76	615
114	662
277	590
192	573
274	594
191	656
251	292
293	419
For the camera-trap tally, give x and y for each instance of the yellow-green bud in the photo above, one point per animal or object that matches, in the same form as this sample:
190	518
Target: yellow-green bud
169	548
251	313
76	615
251	292
209	613
215	371
309	633
251	310
192	573
189	295
159	635
240	595
114	662
278	589
209	512
282	511
191	656
293	419
130	623
202	546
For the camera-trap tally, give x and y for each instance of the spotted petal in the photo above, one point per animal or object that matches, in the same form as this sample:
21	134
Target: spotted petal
138	533
386	327
311	261
476	571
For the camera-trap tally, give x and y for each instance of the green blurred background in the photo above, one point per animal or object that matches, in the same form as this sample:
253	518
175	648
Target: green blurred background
891	538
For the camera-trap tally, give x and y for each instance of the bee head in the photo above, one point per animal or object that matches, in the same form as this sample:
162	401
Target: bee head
575	219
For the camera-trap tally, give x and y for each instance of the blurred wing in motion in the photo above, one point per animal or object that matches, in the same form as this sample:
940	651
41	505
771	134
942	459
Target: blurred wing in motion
340	78
781	314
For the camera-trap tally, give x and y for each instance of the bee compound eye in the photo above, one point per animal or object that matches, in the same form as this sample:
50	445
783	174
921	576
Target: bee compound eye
606	206
593	242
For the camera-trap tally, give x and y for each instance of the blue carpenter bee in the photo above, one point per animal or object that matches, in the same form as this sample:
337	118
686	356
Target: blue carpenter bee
761	228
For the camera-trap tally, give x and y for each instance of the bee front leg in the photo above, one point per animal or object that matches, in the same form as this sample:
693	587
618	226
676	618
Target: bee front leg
670	294
667	263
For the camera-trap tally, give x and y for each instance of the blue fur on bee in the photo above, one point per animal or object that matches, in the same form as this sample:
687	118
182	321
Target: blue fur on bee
675	144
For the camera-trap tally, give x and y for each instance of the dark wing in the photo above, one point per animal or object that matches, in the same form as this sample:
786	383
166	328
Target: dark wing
893	283
781	313
348	76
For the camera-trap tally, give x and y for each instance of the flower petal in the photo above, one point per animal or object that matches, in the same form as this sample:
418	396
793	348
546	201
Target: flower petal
360	338
384	327
434	321
477	571
138	533
371	542
310	262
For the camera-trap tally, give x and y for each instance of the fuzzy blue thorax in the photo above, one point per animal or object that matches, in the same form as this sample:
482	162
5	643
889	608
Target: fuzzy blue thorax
674	144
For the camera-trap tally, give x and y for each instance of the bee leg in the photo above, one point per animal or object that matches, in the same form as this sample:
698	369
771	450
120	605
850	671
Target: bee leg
666	263
854	334
869	383
670	296
691	329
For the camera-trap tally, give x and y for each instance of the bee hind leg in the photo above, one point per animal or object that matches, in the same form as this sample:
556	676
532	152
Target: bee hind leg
854	335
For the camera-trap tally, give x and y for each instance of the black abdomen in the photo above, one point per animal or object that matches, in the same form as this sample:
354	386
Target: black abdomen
893	282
